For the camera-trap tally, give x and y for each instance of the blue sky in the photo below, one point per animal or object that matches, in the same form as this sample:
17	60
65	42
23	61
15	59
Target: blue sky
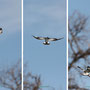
46	18
10	39
83	7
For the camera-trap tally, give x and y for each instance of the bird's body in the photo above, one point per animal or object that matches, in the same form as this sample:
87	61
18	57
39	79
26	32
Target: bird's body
47	39
85	72
1	31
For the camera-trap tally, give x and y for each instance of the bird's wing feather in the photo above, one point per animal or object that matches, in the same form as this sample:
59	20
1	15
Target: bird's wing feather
55	39
39	38
80	68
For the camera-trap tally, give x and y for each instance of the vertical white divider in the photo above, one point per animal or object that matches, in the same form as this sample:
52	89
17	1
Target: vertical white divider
67	42
22	42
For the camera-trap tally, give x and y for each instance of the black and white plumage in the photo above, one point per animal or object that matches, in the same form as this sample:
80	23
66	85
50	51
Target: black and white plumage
85	72
1	31
47	39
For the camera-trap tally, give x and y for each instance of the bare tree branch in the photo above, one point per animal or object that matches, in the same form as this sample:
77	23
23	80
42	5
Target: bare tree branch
12	78
78	48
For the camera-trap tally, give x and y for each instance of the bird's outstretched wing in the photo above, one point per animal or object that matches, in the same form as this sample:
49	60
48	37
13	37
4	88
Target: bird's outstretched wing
55	39
39	38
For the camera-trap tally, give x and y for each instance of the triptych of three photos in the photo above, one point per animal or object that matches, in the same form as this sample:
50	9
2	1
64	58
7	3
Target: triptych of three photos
44	45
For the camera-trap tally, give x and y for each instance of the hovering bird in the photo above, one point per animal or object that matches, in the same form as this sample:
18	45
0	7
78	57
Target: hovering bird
85	72
1	30
47	39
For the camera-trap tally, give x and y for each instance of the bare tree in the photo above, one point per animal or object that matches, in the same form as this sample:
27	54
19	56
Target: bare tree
31	82
11	78
79	50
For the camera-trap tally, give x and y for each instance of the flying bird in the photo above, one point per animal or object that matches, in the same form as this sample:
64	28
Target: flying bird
85	72
47	39
1	31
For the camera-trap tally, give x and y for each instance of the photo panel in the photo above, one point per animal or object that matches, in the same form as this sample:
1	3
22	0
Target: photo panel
79	45
44	44
10	44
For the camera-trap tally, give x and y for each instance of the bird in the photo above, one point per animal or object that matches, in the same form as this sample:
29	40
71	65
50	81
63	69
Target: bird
47	39
85	72
1	31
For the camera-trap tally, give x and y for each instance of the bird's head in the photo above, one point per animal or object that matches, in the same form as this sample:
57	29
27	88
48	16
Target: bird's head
46	43
88	67
1	31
